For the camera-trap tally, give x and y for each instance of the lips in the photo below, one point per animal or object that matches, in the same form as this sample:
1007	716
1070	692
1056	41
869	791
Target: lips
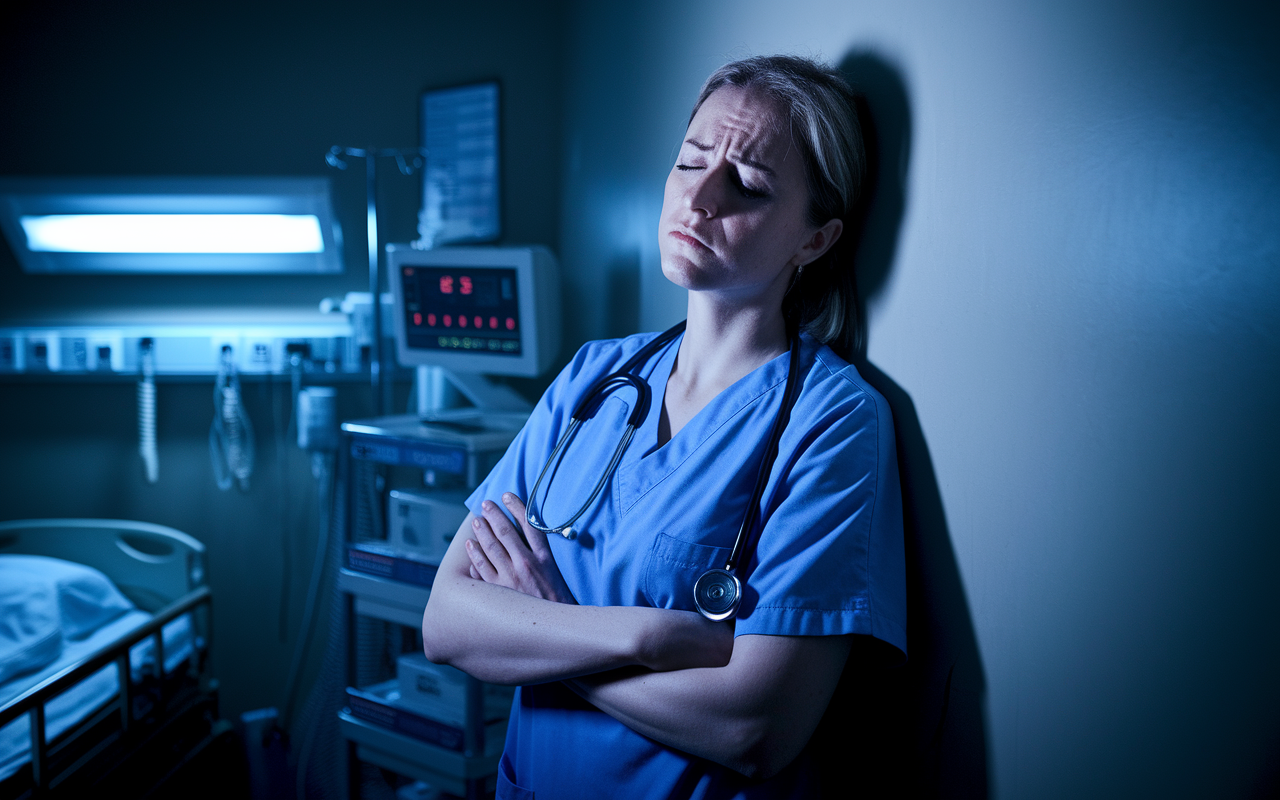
689	239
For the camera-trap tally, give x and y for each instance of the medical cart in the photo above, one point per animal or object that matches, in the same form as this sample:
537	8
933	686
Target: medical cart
386	590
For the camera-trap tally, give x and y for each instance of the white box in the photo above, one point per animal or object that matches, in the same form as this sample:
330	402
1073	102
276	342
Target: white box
439	692
423	523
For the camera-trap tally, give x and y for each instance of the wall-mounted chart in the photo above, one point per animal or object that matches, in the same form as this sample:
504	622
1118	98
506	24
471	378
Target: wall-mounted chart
460	181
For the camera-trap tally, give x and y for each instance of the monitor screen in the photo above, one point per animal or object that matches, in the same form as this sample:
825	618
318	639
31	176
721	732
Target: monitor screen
472	309
486	310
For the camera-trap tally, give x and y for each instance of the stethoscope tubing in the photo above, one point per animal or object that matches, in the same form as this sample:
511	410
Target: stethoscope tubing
566	530
770	455
722	587
583	411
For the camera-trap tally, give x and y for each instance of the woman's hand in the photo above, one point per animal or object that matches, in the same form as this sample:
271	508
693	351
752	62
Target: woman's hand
519	624
500	555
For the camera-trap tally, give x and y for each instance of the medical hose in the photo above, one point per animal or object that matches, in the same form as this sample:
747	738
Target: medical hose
231	434
319	715
322	468
147	409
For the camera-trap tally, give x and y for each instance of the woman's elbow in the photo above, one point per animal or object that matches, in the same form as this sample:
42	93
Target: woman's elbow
433	644
439	644
763	750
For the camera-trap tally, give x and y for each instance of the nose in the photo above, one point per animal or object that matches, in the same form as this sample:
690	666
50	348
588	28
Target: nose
706	192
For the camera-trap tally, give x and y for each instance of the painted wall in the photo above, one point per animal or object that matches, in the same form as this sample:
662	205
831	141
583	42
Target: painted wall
236	88
1072	269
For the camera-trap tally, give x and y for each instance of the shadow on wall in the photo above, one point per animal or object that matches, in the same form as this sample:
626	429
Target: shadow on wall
917	730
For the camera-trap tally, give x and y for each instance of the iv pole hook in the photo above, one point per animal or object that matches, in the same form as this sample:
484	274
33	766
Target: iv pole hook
335	159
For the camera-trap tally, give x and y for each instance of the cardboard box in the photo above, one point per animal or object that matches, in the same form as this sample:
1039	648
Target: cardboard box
439	692
423	523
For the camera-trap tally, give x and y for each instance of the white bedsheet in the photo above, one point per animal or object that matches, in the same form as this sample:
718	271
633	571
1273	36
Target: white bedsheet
84	698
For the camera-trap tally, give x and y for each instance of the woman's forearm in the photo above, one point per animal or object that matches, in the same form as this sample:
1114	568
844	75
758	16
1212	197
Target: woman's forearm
500	635
753	715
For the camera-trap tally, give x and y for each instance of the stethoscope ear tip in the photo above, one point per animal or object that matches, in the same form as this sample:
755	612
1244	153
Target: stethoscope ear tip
569	533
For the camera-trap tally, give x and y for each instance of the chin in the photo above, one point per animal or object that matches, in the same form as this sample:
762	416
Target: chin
684	273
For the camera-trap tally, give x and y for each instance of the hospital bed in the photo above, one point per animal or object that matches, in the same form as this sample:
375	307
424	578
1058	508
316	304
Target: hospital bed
126	700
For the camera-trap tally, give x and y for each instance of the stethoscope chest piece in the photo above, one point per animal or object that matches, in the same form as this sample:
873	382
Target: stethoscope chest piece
717	594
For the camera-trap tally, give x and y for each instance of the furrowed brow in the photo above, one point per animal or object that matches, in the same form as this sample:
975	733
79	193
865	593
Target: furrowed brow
750	162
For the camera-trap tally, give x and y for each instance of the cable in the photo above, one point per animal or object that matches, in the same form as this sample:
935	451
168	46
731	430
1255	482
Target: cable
322	469
284	431
327	692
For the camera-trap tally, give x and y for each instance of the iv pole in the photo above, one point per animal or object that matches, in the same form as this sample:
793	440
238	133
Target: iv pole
371	155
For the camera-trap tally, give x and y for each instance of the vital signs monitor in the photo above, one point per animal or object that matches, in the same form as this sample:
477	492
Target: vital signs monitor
491	310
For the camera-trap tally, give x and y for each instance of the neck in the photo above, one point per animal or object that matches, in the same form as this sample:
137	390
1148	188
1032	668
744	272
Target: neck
725	339
723	342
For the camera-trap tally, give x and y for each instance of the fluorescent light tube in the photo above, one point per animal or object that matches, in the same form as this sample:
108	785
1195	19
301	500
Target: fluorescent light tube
173	233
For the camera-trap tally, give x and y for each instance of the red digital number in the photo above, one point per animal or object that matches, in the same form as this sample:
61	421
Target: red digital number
465	282
446	284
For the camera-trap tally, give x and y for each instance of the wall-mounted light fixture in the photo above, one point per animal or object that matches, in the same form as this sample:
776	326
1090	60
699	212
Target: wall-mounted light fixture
171	225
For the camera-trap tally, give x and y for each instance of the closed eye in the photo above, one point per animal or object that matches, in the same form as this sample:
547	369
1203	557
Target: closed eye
749	192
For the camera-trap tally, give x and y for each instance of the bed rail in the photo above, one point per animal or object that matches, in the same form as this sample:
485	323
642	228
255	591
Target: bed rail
33	700
152	564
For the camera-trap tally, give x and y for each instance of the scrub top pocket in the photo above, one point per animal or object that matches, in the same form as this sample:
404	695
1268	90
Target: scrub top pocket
674	566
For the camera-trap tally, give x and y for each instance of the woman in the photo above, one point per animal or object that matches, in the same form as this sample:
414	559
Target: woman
626	690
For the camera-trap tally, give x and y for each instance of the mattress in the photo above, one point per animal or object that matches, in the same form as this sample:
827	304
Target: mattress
86	697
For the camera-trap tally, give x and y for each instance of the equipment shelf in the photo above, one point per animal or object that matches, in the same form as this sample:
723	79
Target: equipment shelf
393	601
444	769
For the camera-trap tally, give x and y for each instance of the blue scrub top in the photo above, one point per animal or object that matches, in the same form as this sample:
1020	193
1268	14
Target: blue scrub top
828	559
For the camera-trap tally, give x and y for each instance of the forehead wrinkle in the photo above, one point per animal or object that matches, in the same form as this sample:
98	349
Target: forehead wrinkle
757	130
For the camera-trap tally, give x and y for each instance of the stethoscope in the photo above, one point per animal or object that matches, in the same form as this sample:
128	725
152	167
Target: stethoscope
717	592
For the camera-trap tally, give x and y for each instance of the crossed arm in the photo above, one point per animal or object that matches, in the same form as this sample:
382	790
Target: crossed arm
500	611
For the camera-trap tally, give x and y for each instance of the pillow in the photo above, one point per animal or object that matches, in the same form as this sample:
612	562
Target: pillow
86	598
30	624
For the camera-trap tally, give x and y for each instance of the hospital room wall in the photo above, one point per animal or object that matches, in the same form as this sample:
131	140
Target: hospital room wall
1075	312
235	88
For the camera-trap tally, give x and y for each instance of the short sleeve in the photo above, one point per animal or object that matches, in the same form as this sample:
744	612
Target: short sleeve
829	559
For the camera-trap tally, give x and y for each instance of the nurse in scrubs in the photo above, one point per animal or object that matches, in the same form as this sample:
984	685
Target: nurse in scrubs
626	691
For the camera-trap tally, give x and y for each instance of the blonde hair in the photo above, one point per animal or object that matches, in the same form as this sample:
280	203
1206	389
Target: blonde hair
825	128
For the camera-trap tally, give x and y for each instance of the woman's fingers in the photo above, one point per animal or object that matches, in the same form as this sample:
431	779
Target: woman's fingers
504	530
537	539
481	567
485	537
499	554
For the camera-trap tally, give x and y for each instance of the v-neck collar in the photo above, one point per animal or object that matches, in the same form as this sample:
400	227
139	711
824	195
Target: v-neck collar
645	464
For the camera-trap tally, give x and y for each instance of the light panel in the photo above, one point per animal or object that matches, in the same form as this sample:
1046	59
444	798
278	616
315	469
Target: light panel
174	233
171	225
